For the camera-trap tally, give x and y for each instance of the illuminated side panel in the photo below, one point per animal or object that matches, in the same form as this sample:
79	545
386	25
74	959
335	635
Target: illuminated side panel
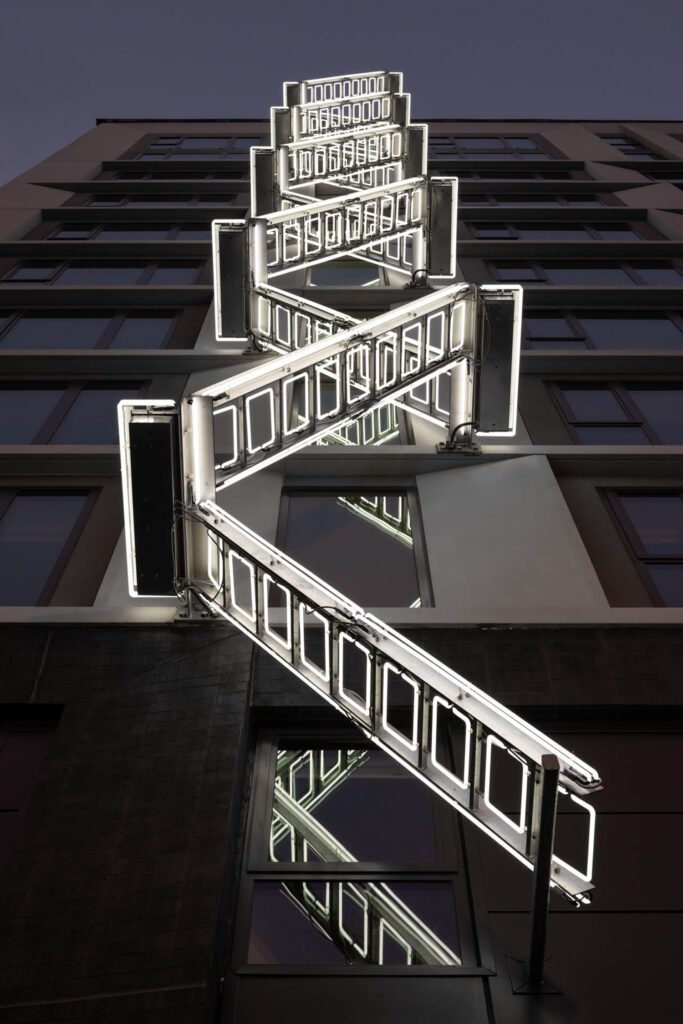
229	270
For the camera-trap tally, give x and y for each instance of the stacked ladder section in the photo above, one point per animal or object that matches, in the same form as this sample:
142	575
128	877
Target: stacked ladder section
345	175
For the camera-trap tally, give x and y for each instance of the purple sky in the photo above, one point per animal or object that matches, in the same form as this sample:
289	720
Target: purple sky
67	62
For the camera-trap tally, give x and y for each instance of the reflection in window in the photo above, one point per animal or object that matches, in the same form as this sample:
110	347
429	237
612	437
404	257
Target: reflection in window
654	526
35	530
334	807
362	544
623	414
61	415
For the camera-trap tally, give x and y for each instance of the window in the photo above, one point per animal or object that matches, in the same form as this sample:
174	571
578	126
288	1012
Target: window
653	524
161	199
622	413
173	175
38	530
541	231
532	199
365	544
83	274
639	331
132	232
341	806
346	273
24	739
65	330
603	274
189	147
630	147
66	414
486	147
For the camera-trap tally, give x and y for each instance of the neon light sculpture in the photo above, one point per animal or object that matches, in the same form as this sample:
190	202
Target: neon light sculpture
346	175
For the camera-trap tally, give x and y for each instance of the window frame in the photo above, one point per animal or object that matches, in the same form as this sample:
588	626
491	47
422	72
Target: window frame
581	337
71	392
147	270
540	271
633	545
255	867
116	321
620	391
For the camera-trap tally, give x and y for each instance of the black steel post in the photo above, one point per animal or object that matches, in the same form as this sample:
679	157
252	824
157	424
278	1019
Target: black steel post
550	774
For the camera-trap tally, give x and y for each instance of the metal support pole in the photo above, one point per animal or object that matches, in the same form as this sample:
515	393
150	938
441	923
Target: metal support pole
550	774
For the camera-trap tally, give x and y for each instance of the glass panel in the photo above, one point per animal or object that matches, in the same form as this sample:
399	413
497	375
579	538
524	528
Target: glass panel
478	142
197	234
23	412
33	532
668	579
663	410
353	922
515	272
594	404
161	200
138	232
597	275
612	435
34	272
343	273
615	234
204	142
574	200
632	332
359	800
492	231
520	142
547	327
658	521
551	231
91	419
354	543
528	200
171	274
74	233
55	332
658	274
142	332
87	274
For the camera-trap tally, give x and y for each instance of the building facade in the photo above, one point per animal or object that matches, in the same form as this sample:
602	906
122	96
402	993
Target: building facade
148	760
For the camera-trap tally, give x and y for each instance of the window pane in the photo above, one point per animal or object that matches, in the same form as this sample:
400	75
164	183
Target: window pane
658	521
663	410
632	332
547	327
551	231
34	272
317	923
612	435
520	142
74	232
615	234
515	272
491	231
668	579
528	200
55	332
23	411
594	404
603	276
92	417
341	273
116	274
197	234
33	532
171	274
360	797
204	142
361	544
142	332
658	274
478	142
139	232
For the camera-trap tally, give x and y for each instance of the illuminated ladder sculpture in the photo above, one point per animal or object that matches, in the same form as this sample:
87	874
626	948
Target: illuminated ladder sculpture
346	175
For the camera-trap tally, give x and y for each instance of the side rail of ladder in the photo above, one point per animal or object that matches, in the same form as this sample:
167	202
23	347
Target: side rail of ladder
439	726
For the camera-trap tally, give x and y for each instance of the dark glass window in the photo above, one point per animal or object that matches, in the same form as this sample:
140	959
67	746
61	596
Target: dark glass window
658	274
630	147
345	806
143	332
24	740
34	272
662	408
596	274
91	418
91	274
561	232
136	232
23	412
344	272
633	332
35	529
175	274
363	544
654	526
33	330
623	414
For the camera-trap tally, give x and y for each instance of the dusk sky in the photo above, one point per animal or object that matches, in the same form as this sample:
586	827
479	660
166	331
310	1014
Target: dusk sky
67	62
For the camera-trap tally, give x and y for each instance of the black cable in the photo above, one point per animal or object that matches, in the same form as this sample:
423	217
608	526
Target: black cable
467	423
